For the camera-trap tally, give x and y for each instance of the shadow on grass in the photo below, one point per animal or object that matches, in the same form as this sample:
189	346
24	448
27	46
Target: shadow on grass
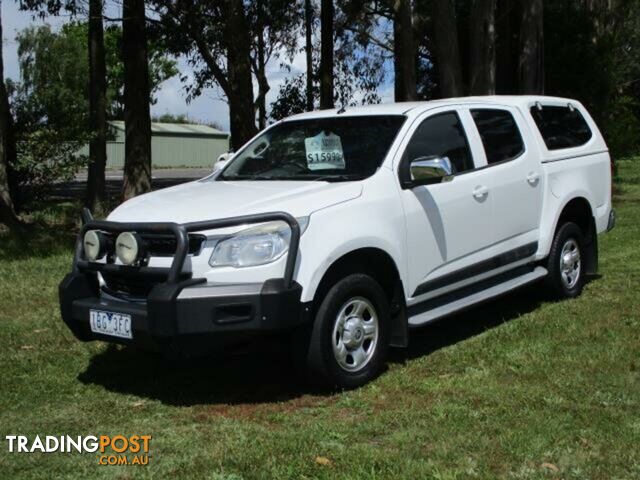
252	377
456	328
269	376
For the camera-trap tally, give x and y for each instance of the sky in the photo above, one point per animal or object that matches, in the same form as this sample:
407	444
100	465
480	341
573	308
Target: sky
208	107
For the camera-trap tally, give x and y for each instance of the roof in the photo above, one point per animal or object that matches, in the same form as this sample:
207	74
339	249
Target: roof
180	129
402	108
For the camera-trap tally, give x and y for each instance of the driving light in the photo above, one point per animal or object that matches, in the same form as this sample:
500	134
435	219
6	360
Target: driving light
95	245
128	247
254	246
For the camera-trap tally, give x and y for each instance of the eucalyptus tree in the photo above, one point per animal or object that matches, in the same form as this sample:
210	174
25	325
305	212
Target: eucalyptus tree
137	115
96	193
7	150
446	48
227	43
482	47
326	54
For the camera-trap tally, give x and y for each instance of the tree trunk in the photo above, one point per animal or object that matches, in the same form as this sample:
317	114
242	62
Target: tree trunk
482	47
507	49
137	150
263	83
447	50
308	34
326	54
240	86
97	110
7	150
531	62
260	70
404	53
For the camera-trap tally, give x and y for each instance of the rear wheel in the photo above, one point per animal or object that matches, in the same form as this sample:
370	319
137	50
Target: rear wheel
349	338
566	261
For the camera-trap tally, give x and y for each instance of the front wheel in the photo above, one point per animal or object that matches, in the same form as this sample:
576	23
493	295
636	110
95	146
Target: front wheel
349	338
566	262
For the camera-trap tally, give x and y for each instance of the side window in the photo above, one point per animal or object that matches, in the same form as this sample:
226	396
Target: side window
441	135
561	127
499	133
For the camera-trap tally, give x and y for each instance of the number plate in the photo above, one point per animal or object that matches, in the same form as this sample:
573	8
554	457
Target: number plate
111	323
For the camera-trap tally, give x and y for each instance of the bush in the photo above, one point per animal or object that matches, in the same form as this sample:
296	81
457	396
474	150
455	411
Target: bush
622	128
44	158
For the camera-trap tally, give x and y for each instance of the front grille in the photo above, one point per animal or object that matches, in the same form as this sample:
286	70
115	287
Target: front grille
130	286
135	281
163	245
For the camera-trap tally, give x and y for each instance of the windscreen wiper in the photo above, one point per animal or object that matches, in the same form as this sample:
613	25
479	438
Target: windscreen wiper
338	178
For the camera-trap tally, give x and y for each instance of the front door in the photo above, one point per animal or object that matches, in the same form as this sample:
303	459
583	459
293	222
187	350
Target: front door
449	224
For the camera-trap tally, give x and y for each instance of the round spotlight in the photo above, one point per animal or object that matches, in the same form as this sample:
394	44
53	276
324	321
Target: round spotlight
128	247
95	245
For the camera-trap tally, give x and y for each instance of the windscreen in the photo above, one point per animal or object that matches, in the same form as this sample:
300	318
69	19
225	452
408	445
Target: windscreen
331	149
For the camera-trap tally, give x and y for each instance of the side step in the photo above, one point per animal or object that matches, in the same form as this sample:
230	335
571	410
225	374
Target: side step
436	309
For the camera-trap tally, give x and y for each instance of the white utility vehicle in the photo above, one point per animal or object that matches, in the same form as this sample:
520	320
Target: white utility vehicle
348	228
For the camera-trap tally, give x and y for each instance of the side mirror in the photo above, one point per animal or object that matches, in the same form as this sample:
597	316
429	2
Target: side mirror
222	161
428	170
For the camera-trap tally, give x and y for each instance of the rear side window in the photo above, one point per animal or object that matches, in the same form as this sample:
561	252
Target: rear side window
561	127
499	133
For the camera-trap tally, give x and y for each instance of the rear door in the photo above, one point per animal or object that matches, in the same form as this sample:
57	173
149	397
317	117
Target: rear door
515	180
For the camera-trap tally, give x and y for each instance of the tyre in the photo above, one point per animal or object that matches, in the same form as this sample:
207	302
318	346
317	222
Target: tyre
566	262
349	337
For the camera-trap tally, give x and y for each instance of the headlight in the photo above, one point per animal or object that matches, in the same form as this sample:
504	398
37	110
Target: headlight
128	248
254	246
95	245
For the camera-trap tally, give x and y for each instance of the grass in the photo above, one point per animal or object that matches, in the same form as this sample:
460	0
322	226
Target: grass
521	388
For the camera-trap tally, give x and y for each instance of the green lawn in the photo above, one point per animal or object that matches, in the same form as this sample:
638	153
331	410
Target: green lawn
523	387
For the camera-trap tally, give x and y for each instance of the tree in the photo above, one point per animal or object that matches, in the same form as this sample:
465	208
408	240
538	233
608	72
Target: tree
308	49
95	197
51	102
137	161
259	65
161	68
482	47
592	53
50	108
216	40
7	150
446	48
292	98
531	61
404	52
508	23
275	25
359	57
54	74
326	54
54	82
240	86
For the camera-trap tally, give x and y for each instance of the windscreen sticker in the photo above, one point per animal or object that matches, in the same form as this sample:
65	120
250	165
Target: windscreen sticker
324	152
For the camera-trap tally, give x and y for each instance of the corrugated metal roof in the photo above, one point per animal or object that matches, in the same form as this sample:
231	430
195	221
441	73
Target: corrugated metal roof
177	128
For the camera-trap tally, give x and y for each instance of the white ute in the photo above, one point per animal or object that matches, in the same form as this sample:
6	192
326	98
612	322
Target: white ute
347	228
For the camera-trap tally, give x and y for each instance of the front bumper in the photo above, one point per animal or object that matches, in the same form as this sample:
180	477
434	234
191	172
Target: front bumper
186	318
182	314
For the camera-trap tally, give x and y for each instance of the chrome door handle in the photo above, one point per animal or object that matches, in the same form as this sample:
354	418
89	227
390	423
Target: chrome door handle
533	178
480	191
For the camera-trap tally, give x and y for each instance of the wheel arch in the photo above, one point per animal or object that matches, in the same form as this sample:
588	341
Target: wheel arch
379	264
578	209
